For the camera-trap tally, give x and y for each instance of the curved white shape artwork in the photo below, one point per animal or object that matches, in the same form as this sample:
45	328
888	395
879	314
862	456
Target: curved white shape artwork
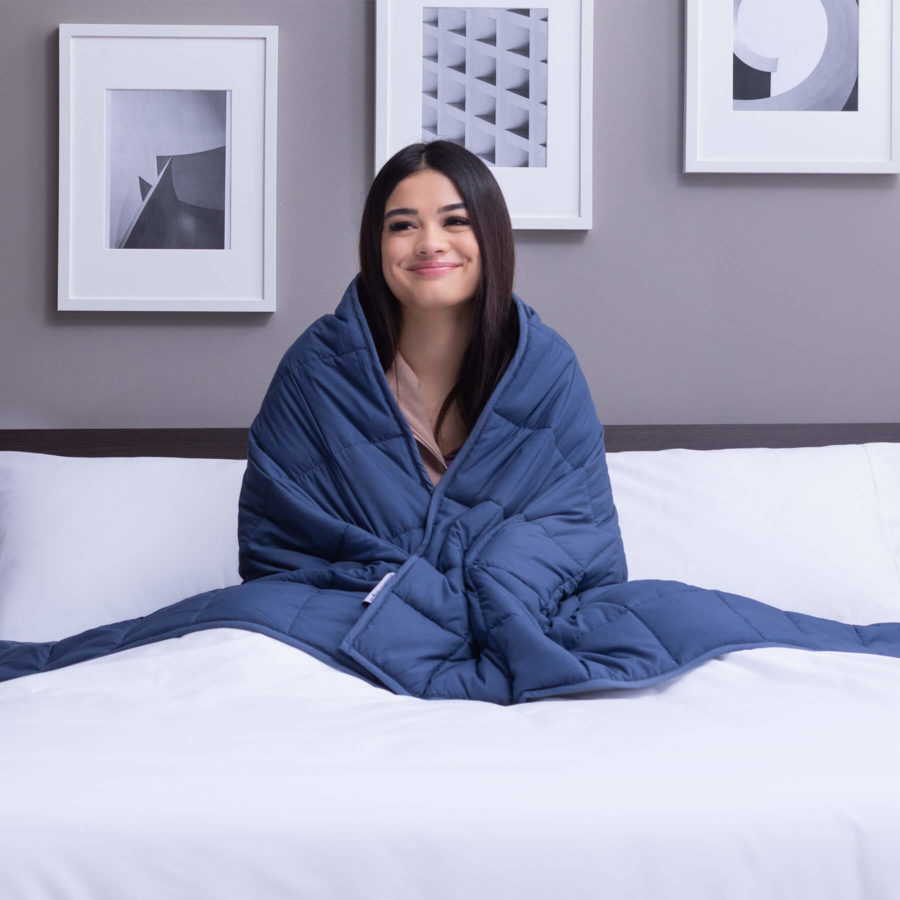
814	45
746	54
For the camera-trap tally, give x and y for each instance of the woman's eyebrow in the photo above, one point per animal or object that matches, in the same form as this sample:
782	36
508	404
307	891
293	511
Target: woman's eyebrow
401	211
406	211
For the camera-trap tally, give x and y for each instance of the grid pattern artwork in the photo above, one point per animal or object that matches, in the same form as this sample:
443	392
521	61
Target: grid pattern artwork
484	82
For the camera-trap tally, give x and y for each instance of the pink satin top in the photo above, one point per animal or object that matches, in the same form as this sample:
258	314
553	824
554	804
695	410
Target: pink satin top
406	388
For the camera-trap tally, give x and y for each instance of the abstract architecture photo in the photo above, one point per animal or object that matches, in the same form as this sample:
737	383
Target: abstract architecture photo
484	82
168	169
796	55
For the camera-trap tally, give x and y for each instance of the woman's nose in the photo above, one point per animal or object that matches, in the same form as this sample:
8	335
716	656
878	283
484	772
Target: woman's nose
431	240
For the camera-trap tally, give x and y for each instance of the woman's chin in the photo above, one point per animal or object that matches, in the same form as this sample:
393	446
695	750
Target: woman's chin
434	300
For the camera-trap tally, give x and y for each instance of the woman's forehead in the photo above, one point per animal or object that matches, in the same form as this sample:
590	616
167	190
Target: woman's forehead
425	190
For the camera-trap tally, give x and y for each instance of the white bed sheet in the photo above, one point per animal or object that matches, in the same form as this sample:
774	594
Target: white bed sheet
226	764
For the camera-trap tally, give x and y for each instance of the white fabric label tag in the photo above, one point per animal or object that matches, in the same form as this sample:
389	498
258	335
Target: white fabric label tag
378	588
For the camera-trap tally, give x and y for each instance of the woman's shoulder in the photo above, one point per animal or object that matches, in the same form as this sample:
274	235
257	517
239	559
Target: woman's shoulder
549	391
543	342
330	336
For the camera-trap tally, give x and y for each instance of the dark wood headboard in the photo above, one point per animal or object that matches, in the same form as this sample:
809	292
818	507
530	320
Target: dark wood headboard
720	437
198	443
231	443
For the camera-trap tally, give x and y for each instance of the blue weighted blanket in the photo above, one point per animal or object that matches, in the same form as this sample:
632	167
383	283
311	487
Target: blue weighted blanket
506	582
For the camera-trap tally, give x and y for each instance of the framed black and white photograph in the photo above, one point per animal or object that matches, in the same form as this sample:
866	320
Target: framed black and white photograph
791	86
167	167
511	84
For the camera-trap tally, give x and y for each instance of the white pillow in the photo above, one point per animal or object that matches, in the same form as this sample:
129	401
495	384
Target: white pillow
84	542
815	530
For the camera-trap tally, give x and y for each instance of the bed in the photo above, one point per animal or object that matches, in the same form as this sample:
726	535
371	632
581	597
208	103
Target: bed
227	764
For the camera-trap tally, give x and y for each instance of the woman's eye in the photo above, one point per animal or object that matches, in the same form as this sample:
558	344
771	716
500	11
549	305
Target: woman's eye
457	220
399	226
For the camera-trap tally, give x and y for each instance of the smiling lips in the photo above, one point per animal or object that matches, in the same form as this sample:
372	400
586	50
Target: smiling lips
434	267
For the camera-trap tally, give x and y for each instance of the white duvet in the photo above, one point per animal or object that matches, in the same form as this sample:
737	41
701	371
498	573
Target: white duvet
226	764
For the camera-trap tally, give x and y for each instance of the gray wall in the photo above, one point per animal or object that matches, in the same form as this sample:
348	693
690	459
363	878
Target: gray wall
705	298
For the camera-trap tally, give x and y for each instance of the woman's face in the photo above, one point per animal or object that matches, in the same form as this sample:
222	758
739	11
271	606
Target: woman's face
429	253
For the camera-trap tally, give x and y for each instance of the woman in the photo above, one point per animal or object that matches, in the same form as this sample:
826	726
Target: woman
501	577
498	577
436	275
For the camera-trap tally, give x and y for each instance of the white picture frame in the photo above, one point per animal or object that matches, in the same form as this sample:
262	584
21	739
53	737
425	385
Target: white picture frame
150	217
801	125
549	191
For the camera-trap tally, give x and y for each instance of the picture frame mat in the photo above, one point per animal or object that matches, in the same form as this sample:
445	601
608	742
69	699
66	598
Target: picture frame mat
719	138
95	59
556	196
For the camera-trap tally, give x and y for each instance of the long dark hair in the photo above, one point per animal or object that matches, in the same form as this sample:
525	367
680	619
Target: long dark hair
495	324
